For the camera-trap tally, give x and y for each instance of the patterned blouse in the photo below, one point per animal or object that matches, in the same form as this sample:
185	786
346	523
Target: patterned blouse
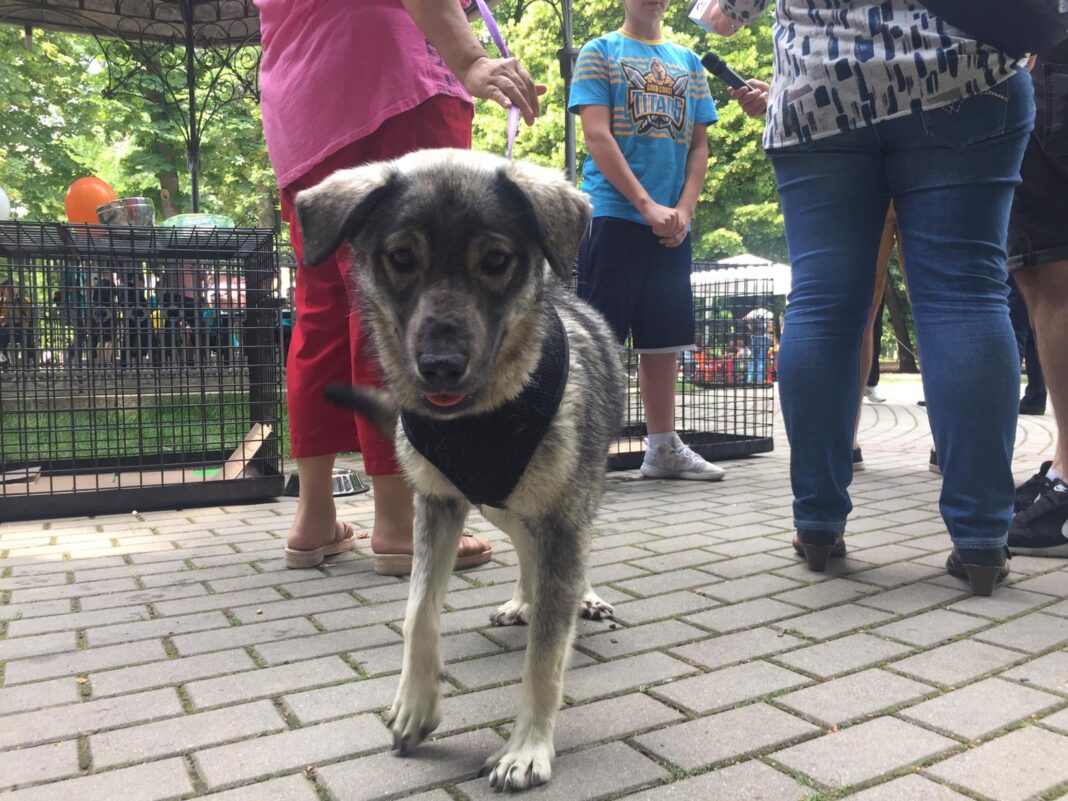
844	64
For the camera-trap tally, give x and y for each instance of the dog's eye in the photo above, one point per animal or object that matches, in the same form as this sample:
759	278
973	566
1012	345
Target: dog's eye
495	262
402	259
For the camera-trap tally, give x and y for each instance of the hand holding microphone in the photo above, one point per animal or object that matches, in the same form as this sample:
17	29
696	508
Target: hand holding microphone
752	95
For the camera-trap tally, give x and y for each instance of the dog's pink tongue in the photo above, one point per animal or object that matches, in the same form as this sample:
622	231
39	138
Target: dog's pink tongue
444	399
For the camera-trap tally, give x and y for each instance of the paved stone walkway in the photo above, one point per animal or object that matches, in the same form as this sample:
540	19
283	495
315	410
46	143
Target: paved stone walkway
170	655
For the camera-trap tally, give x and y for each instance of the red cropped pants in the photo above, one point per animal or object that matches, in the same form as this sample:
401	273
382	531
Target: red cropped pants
331	344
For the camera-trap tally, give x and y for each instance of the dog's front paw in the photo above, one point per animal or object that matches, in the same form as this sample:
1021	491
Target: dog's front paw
594	608
415	713
512	613
520	765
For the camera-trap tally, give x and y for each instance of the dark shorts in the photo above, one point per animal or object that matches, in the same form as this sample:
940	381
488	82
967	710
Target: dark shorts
1038	228
641	287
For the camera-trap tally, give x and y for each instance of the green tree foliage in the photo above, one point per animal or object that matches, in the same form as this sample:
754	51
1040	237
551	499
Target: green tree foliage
739	209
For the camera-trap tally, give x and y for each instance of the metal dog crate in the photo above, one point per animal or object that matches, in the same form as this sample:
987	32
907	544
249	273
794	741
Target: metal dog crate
140	368
725	401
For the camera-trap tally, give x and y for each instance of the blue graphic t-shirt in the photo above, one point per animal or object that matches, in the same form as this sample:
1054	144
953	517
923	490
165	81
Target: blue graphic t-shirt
657	92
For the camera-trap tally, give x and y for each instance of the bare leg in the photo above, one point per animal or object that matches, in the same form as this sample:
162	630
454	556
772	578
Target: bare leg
393	516
656	381
313	525
417	709
1045	288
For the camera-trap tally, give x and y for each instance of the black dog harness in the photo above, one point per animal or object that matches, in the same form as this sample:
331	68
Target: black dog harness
485	455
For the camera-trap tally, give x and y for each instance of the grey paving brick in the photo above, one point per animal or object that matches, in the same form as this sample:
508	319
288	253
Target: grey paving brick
55	723
662	606
466	710
827	593
89	588
909	788
743	615
383	613
69	621
336	642
17	612
722	689
676	560
432	795
182	734
741	589
448	759
1021	765
158	595
37	695
153	782
725	736
747	565
913	598
221	600
601	772
479	596
38	764
37	645
268	681
660	583
197	575
669	544
628	673
738	647
855	696
835	657
930	628
1006	602
241	761
834	621
1049	672
1032	633
1055	583
160	627
172	671
250	634
863	752
750	781
289	788
898	573
387	658
77	662
957	662
1058	720
314	706
621	642
981	708
611	719
498	668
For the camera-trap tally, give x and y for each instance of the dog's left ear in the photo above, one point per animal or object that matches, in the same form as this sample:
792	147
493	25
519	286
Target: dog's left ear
334	210
561	212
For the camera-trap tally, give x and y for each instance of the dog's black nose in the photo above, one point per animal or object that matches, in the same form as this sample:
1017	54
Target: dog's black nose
442	369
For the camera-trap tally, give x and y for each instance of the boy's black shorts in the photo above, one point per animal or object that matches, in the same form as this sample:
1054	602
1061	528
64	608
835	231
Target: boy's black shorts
641	287
1038	227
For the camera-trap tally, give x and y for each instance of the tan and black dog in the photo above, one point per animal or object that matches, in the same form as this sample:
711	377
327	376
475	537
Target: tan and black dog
505	392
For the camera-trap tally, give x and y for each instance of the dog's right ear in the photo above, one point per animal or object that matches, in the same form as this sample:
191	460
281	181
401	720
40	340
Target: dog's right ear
334	210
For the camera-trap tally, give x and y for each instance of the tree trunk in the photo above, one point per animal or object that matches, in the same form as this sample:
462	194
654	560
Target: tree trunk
266	214
905	360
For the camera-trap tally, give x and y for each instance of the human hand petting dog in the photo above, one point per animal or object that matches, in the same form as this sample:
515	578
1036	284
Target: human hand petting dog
753	99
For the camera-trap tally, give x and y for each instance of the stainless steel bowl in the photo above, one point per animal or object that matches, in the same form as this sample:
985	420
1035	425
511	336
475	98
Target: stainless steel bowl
347	482
127	211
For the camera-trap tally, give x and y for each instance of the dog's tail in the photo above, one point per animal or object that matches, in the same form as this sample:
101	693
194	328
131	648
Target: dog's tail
374	404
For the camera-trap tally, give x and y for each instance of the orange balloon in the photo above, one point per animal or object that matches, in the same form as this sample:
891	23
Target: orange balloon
83	197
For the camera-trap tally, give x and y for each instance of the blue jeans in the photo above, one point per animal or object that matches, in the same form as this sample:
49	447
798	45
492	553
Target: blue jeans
951	173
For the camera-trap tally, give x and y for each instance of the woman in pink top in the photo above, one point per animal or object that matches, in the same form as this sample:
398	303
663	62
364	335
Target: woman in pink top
344	83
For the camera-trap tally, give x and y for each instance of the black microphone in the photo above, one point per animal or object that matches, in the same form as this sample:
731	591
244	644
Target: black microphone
718	67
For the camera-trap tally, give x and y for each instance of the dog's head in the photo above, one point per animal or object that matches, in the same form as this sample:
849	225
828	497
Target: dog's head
450	249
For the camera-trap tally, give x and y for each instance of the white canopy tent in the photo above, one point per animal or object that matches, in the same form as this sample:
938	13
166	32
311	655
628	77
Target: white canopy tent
745	267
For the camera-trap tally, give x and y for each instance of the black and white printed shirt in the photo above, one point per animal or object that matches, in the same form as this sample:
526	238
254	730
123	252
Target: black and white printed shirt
844	64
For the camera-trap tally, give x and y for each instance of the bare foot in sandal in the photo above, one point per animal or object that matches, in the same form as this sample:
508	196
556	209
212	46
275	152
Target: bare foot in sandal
344	539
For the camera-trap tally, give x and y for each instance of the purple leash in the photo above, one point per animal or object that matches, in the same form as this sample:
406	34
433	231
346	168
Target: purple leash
498	39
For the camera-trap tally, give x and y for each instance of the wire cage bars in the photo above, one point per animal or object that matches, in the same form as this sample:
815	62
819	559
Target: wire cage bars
140	368
725	386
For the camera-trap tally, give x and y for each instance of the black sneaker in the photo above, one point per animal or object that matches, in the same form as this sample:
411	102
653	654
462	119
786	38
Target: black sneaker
858	460
932	465
1029	492
1042	528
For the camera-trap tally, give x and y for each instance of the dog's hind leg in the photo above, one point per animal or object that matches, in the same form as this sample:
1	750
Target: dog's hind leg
417	709
592	606
516	611
558	582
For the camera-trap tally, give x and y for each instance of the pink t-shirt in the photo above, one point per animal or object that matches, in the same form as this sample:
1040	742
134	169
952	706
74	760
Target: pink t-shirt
334	70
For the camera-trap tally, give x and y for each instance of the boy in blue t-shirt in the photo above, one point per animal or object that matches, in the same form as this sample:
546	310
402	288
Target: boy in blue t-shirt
645	107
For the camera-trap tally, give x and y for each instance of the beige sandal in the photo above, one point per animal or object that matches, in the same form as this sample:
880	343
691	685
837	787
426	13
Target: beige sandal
344	540
473	551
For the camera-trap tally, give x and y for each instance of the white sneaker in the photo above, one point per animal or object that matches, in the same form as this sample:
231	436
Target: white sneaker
675	460
873	395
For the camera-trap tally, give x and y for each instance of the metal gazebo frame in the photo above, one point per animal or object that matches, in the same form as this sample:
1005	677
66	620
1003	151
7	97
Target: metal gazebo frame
162	47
